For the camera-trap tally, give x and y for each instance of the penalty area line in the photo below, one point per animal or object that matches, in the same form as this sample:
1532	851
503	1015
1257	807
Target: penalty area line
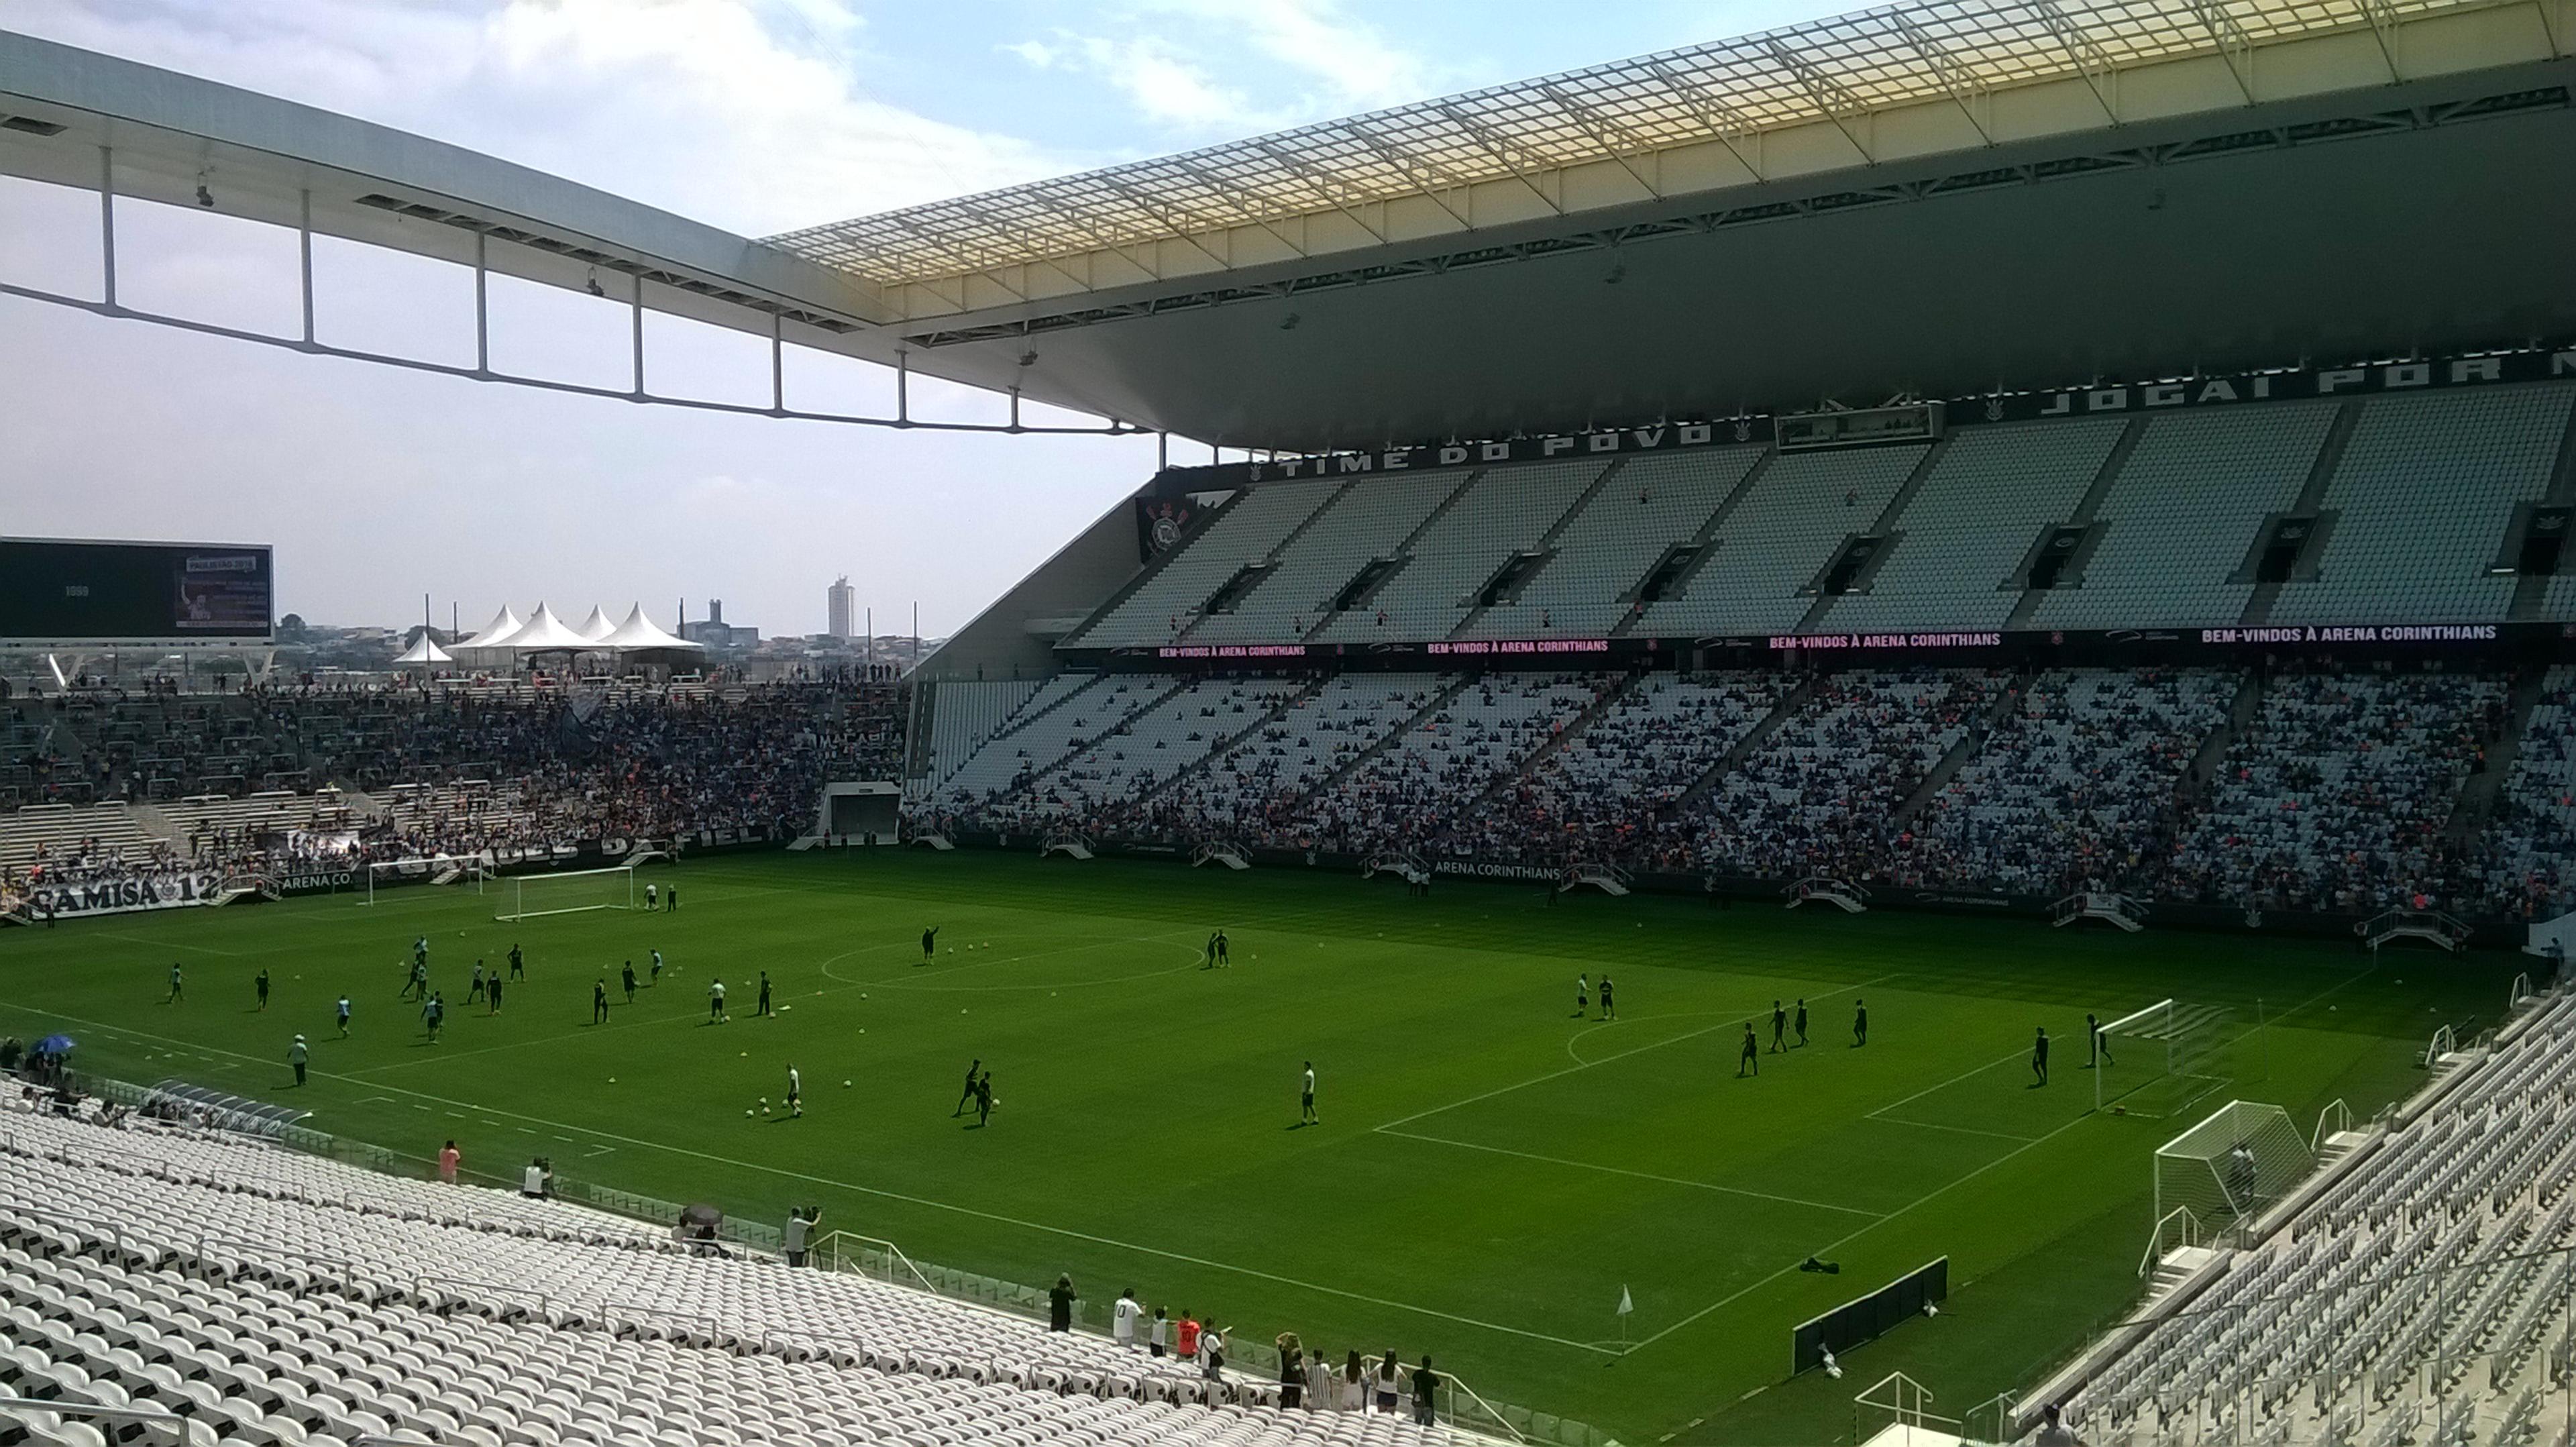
1607	1059
1839	1242
1635	1175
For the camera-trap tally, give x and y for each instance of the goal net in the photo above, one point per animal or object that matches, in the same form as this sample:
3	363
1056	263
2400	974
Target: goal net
527	896
2162	1060
2231	1168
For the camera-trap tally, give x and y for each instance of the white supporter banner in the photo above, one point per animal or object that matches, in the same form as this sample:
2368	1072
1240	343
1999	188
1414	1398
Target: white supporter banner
129	894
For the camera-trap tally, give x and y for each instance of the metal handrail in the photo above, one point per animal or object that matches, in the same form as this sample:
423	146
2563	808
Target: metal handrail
177	1424
544	1301
348	1267
643	1312
2337	1111
2156	1237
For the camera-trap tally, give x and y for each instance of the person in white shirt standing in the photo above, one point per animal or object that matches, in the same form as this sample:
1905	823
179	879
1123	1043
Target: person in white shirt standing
1306	1108
1123	1315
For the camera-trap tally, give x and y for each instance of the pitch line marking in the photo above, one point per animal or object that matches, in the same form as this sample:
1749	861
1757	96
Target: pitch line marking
1638	1175
1838	1243
175	945
1606	1059
2001	1135
1248	1271
1953	1080
842	986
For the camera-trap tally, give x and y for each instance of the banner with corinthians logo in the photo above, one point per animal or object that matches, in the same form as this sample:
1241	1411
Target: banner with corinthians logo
1160	523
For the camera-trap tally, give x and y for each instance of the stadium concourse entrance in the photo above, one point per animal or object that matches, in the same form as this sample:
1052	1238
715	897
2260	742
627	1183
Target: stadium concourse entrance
868	813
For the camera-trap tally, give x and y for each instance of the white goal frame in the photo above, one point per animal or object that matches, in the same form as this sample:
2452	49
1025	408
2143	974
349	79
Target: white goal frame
2231	1169
515	888
428	869
2185	1043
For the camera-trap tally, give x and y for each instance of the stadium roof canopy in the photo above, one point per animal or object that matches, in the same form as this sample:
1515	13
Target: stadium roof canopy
1929	198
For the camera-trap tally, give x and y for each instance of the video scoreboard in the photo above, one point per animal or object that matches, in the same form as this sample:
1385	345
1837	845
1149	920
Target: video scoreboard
77	592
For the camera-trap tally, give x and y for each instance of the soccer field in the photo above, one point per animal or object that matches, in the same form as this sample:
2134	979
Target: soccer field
1490	1172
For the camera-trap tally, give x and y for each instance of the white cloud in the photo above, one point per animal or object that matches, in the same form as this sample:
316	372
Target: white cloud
378	485
1166	59
749	114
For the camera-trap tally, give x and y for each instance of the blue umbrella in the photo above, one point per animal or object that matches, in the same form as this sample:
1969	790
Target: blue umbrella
54	1045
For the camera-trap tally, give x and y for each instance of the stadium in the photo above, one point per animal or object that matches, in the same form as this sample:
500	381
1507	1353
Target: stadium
1861	734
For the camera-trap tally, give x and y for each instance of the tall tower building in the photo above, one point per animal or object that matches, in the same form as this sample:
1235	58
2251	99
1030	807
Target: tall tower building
839	602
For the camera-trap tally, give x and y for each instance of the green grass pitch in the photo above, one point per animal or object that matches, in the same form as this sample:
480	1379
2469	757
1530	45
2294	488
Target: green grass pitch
1490	1171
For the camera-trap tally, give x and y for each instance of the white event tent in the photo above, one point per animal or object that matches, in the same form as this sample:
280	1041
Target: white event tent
508	638
424	654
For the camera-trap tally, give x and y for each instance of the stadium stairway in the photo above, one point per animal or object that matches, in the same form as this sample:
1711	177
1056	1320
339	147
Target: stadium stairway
1154	566
1022	720
1601	703
1708	530
2007	699
1787	709
2194	783
1391	738
2258	608
1401	554
1814	618
1546	545
2531	594
1278	551
2086	508
2478	793
1228	743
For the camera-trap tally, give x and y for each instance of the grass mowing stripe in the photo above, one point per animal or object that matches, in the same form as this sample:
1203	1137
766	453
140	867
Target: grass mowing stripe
1149	1119
811	1179
1639	1175
1841	1241
1607	1059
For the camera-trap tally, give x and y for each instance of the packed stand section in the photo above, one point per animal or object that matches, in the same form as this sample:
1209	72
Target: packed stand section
447	772
1609	795
1251	793
2336	795
1118	772
2531	843
2074	788
1422	791
1817	796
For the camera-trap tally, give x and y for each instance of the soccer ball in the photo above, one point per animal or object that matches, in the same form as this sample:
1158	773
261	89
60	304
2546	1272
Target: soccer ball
764	1105
845	1085
746	1110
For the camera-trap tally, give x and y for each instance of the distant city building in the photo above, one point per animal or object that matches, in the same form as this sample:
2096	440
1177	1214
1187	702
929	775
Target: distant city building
714	632
840	604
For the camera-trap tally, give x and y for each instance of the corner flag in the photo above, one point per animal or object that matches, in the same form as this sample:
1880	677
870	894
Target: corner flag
1625	1305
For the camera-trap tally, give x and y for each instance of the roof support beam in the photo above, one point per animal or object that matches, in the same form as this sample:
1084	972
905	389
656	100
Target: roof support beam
1497	147
1614	139
1163	217
1411	167
2091	63
2233	45
1965	89
2383	27
1723	121
1082	223
1825	91
1323	184
1242	204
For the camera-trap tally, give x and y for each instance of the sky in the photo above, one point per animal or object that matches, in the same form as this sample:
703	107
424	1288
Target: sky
380	485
